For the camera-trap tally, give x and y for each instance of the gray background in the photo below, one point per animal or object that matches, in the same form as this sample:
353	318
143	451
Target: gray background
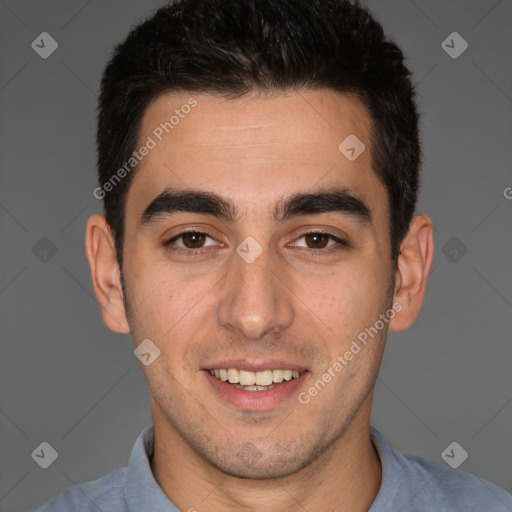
67	380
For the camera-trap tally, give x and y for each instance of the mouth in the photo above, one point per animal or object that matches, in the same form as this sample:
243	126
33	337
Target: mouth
257	390
254	381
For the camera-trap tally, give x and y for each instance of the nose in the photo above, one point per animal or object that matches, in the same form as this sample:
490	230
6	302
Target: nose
255	300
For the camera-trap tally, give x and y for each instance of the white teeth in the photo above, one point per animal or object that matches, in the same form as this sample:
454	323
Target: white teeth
253	388
264	378
278	375
254	379
247	378
233	376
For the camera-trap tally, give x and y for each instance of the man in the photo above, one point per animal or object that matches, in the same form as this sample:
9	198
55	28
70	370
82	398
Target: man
258	162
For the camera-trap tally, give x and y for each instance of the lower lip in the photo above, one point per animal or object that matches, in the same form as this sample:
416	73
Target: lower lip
255	400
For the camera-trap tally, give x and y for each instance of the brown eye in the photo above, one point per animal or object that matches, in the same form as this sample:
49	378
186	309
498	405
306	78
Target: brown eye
193	239
317	240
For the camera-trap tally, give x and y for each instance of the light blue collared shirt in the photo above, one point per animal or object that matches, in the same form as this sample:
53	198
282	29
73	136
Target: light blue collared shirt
409	484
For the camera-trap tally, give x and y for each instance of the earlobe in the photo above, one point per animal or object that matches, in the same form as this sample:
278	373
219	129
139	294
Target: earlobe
101	254
412	270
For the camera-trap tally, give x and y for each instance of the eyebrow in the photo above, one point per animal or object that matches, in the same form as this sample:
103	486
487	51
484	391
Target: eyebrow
332	200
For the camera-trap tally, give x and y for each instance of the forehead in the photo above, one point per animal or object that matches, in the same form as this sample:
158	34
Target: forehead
255	150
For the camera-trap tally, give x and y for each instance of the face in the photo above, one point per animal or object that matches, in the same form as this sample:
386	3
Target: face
284	262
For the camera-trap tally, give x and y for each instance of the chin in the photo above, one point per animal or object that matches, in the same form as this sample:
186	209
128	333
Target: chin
249	463
256	472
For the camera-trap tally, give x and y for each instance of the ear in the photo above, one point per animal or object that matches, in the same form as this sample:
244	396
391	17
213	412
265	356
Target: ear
412	270
101	253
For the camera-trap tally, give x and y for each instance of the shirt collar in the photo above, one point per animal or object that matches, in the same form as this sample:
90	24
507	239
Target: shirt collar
142	490
395	488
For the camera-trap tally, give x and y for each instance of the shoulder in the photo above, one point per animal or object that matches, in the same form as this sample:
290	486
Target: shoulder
433	484
106	493
415	483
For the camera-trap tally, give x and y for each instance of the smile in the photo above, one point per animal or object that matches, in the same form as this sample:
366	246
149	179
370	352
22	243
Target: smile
254	381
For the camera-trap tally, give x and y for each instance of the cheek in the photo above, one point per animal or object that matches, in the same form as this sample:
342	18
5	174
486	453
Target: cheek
165	301
348	298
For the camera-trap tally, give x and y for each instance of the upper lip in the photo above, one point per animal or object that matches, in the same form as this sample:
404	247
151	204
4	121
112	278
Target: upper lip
253	366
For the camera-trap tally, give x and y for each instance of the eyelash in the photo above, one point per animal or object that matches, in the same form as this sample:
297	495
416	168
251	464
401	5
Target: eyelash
198	252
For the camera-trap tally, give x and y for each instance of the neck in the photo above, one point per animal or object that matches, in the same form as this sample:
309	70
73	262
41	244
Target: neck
349	472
